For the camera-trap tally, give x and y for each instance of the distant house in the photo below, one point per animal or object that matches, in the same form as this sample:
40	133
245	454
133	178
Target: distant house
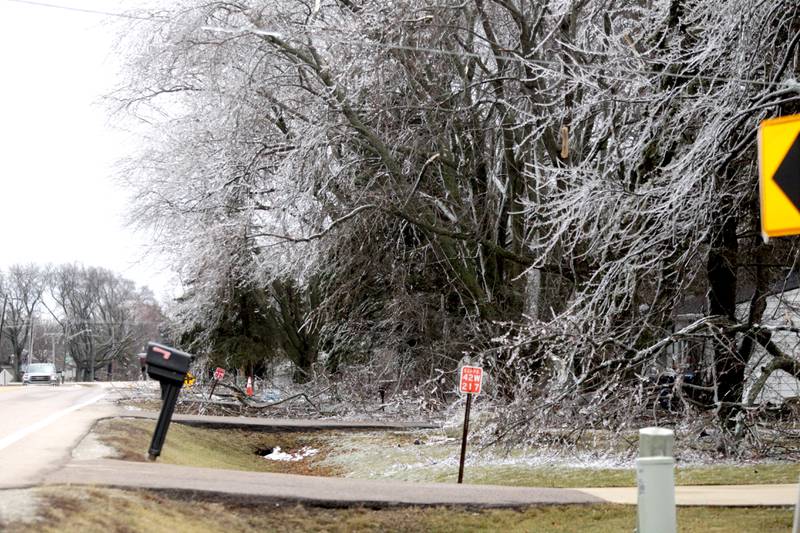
9	369
783	309
70	368
695	354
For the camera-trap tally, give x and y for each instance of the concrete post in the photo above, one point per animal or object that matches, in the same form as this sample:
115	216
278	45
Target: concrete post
656	479
656	442
796	524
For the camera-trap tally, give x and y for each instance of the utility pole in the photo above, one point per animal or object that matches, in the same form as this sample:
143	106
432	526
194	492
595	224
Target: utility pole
3	317
91	359
53	340
30	350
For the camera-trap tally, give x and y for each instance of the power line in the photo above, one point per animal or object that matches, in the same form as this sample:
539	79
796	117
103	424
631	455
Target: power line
85	10
555	63
433	51
613	69
25	324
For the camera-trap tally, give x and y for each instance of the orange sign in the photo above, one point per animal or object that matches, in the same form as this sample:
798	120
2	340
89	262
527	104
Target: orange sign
471	377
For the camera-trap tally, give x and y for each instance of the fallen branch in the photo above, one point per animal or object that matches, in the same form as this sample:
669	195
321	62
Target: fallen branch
245	400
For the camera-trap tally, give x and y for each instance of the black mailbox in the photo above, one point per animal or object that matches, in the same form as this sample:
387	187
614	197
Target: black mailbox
165	363
169	366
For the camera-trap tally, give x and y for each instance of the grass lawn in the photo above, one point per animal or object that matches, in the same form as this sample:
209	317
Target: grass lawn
435	458
412	456
232	449
102	510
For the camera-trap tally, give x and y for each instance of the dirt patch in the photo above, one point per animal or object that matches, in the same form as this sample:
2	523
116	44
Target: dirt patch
92	447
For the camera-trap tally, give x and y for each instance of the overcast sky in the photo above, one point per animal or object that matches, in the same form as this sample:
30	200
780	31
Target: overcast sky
59	202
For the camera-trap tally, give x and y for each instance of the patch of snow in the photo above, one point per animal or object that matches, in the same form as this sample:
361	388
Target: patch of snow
91	448
270	396
278	455
433	441
490	460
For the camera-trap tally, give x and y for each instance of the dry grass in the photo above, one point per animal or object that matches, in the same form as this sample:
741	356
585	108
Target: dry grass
214	448
69	509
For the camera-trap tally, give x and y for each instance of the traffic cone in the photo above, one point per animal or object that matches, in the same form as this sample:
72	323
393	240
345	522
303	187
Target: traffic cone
249	389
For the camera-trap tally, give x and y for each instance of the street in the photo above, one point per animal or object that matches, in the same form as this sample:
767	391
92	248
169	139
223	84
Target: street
40	426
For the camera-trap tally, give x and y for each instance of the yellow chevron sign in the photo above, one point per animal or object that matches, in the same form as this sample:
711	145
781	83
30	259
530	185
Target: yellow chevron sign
779	176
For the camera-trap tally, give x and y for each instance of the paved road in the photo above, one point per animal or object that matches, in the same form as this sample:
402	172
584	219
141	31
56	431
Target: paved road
40	425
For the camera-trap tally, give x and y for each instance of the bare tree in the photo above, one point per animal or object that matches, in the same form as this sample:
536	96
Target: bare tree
23	288
95	309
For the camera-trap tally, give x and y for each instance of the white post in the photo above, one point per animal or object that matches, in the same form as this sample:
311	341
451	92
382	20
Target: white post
796	525
656	479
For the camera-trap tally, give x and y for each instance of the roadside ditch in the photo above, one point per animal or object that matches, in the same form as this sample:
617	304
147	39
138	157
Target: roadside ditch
412	455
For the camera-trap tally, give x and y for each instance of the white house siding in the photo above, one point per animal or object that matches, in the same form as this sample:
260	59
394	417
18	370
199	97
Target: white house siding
782	309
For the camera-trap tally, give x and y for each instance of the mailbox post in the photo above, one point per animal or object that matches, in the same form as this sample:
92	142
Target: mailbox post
169	366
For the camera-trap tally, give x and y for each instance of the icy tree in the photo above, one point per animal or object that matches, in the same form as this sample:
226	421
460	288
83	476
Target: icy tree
651	200
566	177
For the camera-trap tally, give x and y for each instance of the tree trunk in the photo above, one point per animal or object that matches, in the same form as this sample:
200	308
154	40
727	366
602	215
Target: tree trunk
758	302
18	364
721	269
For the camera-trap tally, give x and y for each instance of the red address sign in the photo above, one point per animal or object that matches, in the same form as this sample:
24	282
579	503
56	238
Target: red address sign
471	377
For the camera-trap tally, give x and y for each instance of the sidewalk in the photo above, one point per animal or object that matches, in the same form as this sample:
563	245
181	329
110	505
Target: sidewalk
348	491
328	491
710	495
